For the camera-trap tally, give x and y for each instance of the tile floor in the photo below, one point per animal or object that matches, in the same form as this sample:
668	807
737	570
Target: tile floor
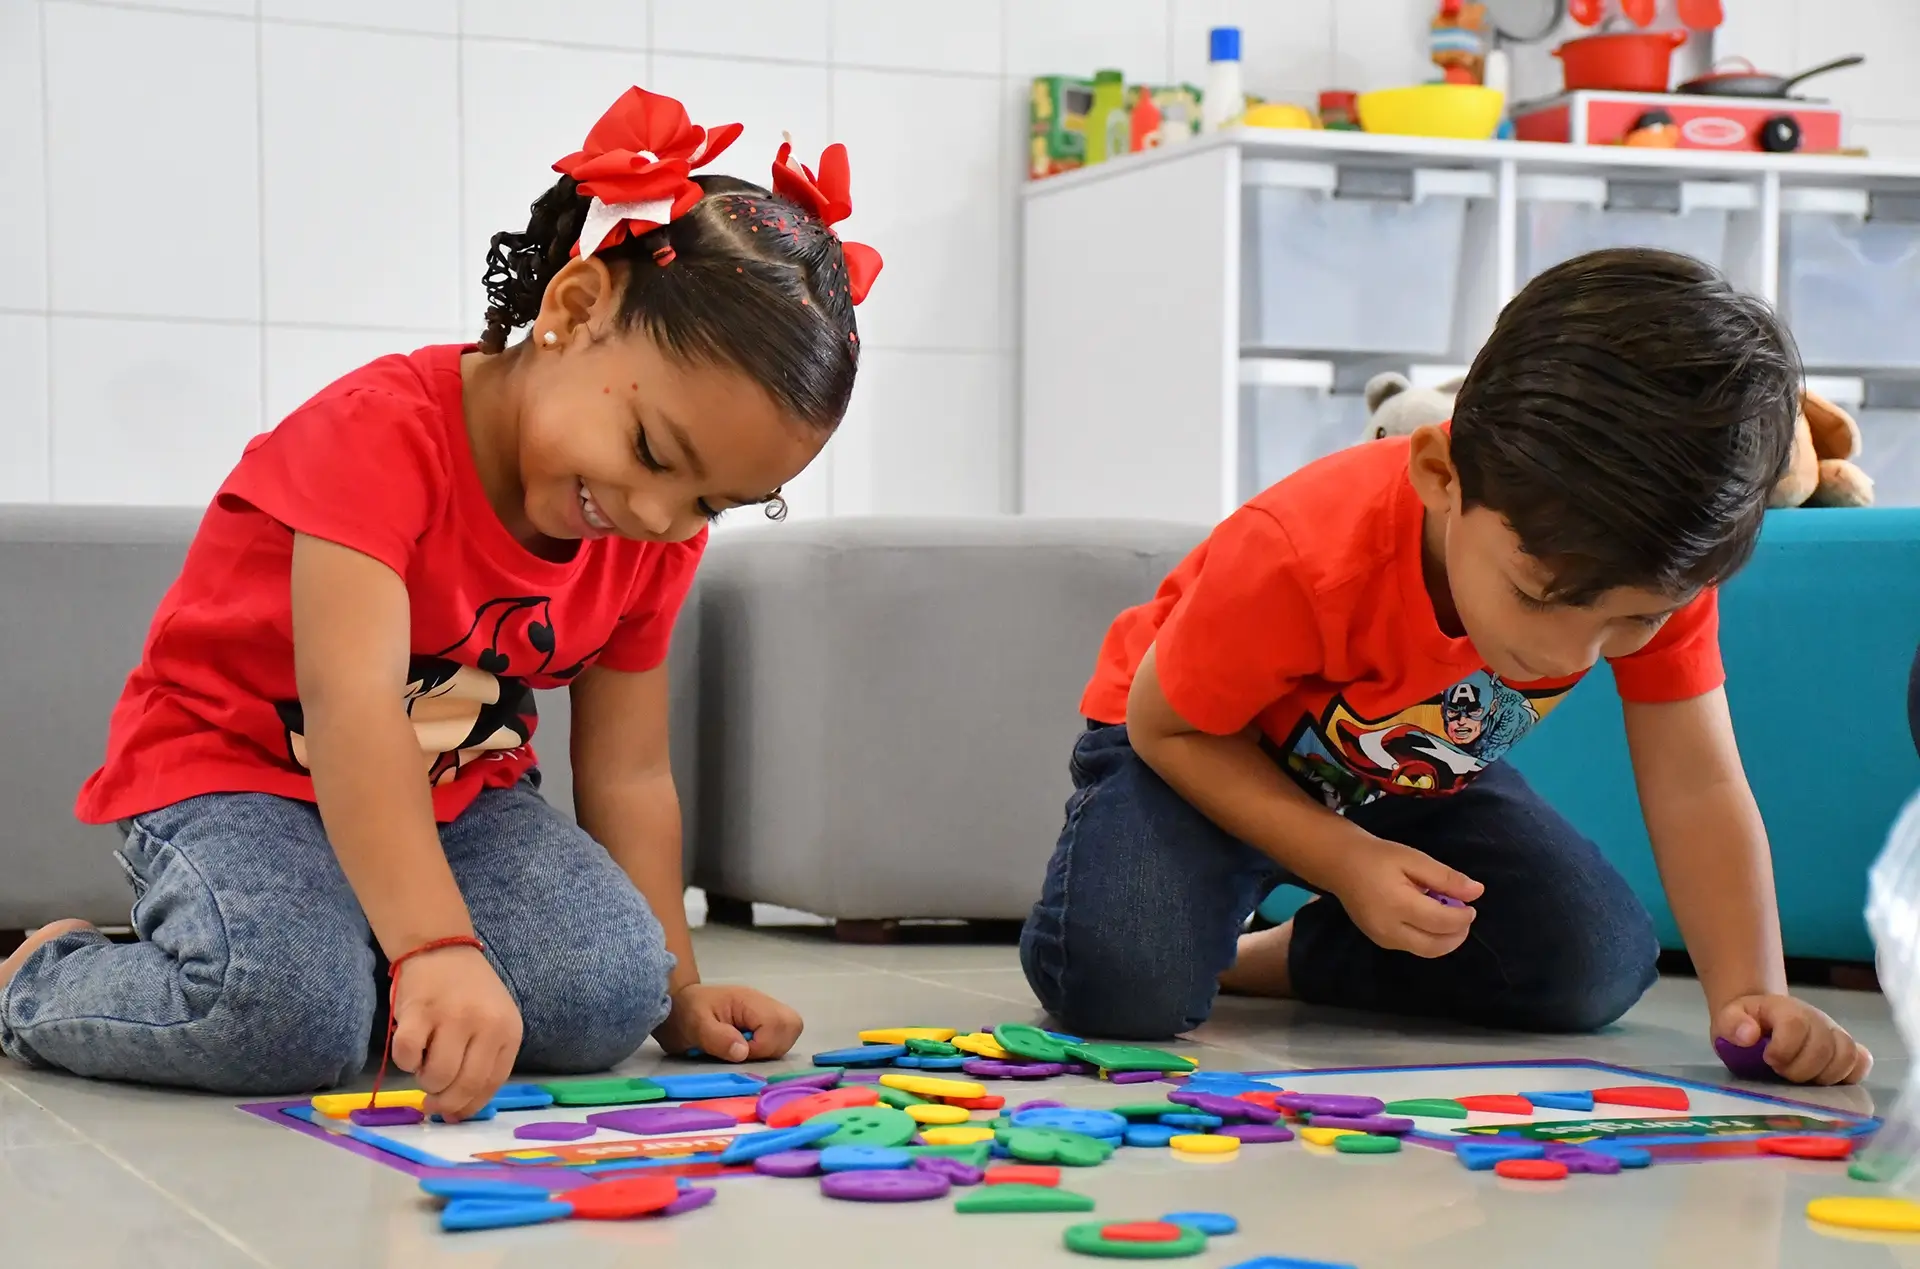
99	1174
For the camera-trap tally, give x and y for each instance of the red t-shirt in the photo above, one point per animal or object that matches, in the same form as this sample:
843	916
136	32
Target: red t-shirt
1305	613
379	462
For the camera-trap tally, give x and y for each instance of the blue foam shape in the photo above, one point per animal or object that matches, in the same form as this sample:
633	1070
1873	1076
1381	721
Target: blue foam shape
1212	1224
485	1113
1226	1083
1150	1135
688	1088
910	1062
1063	1037
1289	1262
998	1151
1192	1121
453	1187
864	1159
1480	1156
366	1136
860	1055
749	1146
481	1214
521	1097
937	1063
1561	1100
1090	1123
1629	1156
697	1052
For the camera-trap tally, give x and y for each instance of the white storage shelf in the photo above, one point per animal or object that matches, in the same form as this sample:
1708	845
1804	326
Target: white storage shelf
1198	322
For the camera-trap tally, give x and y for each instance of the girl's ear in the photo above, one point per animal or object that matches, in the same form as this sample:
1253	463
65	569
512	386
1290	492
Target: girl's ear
580	299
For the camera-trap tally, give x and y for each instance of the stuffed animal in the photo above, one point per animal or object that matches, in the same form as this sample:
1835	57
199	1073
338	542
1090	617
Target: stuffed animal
1822	473
1396	408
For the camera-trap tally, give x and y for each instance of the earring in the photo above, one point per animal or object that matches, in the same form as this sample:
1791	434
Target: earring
550	339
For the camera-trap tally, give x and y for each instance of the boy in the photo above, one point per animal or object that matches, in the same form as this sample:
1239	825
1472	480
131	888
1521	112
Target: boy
1322	693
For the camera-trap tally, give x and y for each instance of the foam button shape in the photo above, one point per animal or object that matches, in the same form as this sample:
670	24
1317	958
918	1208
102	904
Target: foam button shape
476	1188
1213	1224
1881	1215
749	1146
1478	1156
958	1135
1225	1107
1192	1122
934	1087
1367	1143
789	1163
989	1069
1129	1057
980	1044
1021	1198
465	1214
1090	1123
1055	1145
1647	1096
957	1171
687	1088
623	1199
651	1121
386	1116
1256	1133
1149	1111
1198	1143
558	1130
1022	1174
906	1035
691	1199
1329	1104
933	1113
340	1105
1091	1240
989	1102
910	1186
1152	1134
864	1055
1430	1108
868	1126
1498	1104
864	1159
899	1098
813	1105
976	1154
1142	1232
1530	1170
1030	1043
1561	1100
1808	1147
1324	1136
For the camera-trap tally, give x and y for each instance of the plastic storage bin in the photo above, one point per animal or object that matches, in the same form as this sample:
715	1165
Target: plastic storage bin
1566	216
1289	416
1353	260
1850	278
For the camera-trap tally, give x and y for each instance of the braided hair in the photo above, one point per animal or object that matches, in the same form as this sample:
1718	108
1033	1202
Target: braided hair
749	280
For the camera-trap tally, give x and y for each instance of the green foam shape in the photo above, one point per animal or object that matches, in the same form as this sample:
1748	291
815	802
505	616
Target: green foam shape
867	1126
624	1092
1129	1057
1030	1043
1431	1107
1861	1170
1151	1111
931	1048
1021	1198
1054	1145
898	1098
794	1075
1089	1241
976	1154
1358	1143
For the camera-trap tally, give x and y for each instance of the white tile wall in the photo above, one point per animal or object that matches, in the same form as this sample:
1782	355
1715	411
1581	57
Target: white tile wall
212	207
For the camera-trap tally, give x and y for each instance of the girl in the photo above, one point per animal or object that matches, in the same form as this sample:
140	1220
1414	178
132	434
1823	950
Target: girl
370	600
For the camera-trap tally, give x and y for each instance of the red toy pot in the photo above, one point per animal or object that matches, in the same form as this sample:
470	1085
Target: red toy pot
1631	62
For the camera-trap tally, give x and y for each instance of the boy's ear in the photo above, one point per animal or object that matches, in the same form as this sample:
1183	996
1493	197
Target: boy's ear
1430	468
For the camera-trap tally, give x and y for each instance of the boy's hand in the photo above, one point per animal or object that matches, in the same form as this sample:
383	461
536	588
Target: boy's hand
1805	1046
711	1016
1384	889
455	1029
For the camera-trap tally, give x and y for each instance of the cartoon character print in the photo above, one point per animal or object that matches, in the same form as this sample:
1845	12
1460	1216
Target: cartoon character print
463	713
1430	749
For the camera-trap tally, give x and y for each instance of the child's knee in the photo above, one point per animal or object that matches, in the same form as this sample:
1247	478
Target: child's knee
1111	983
591	1010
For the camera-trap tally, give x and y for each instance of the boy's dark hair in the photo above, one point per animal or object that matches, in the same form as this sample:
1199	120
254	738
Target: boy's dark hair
1628	417
753	282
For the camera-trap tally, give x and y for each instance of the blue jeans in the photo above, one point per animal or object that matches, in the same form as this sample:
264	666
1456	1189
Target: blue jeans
256	972
1145	898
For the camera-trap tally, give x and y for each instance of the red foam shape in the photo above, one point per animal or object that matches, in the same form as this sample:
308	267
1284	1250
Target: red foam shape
1648	1096
1023	1174
988	1102
1498	1104
1530	1169
1141	1232
1262	1099
1808	1147
798	1111
622	1199
745	1110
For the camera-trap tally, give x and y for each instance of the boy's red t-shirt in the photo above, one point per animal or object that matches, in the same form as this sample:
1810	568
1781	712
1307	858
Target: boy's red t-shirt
1305	614
379	462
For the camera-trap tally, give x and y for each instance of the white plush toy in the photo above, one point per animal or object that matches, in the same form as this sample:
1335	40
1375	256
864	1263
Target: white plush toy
1396	408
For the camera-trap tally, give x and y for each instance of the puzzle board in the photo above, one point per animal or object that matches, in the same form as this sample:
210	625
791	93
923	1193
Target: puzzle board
1721	1123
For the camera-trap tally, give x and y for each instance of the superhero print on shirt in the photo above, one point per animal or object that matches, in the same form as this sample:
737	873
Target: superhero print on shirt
1430	749
460	712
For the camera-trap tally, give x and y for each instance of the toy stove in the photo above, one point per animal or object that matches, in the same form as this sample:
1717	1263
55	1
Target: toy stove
1693	122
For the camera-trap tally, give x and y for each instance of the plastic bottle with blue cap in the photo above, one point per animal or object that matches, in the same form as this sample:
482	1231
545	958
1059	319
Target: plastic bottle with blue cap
1225	99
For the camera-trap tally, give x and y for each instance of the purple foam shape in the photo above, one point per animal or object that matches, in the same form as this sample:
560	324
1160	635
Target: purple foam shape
1133	1077
1379	1125
1224	1107
648	1121
858	1077
557	1130
1447	899
1039	1103
1345	1104
1075	1068
1587	1161
992	1069
1746	1061
957	1171
779	1095
1255	1133
385	1116
789	1163
908	1186
821	1082
696	1197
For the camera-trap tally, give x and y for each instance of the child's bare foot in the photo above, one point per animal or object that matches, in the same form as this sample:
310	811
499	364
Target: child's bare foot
1260	969
46	933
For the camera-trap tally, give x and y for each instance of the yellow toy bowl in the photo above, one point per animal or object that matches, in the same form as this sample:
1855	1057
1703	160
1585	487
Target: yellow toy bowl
1278	114
1468	112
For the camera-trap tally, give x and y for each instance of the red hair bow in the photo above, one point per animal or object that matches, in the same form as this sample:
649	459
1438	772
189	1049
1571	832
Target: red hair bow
827	196
636	165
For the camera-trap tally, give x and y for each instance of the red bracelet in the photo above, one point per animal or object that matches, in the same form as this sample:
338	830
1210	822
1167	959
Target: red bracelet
393	996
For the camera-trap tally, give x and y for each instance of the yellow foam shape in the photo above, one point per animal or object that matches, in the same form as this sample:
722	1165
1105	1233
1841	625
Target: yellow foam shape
531	1154
340	1105
900	1035
935	1113
957	1135
929	1086
1205	1143
1326	1136
980	1044
1882	1215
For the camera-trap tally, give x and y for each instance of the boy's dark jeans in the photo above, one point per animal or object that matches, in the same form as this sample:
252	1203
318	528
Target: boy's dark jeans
1145	897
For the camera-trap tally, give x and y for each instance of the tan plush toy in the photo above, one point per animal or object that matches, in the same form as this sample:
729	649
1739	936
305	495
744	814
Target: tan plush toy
1396	408
1822	473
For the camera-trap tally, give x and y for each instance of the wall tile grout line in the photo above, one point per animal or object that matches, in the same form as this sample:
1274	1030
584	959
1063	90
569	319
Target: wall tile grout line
260	196
46	230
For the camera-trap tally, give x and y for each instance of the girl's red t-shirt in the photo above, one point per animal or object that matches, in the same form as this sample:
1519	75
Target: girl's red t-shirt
1306	615
379	462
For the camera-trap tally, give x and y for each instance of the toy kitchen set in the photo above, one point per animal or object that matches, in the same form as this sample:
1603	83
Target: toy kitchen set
1617	87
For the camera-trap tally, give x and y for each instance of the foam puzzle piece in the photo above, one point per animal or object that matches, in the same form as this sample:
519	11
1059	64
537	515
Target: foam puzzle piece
1021	1198
652	1121
1380	1125
1030	1043
1879	1214
1367	1143
749	1146
1566	1100
470	1214
1290	1262
868	1126
1090	1239
1481	1156
1498	1104
864	1159
1129	1057
910	1186
556	1130
691	1199
623	1198
813	1105
615	1092
1427	1108
1645	1096
686	1088
385	1116
341	1105
1329	1104
789	1163
1151	1135
521	1097
479	1188
1256	1134
957	1171
1629	1156
1225	1107
1531	1169
1057	1145
907	1035
862	1055
1587	1162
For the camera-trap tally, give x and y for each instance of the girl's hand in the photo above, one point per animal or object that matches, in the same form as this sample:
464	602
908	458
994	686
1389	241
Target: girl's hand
1804	1045
455	1029
711	1016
